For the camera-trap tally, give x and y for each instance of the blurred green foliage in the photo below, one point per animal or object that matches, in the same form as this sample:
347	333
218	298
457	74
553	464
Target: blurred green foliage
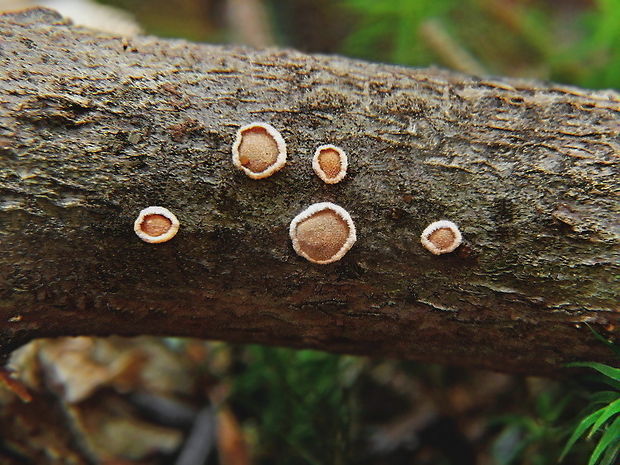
570	41
535	436
567	41
299	403
388	31
600	48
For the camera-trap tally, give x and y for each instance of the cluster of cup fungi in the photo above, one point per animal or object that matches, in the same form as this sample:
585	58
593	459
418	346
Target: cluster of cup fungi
322	233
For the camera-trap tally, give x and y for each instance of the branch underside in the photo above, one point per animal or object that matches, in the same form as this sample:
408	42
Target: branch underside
94	128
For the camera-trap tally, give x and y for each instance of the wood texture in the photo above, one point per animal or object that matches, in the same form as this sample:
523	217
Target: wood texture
94	128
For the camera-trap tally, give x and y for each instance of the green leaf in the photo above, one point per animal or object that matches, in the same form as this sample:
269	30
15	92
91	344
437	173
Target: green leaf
603	397
581	428
612	374
610	344
610	455
611	435
607	413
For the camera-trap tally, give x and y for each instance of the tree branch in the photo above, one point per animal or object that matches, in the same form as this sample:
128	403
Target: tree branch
93	129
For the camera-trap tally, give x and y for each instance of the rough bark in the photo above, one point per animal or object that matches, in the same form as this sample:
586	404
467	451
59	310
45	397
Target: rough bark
94	128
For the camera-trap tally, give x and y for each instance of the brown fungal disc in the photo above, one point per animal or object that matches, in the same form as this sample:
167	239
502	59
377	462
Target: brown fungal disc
441	237
259	150
323	233
330	163
155	225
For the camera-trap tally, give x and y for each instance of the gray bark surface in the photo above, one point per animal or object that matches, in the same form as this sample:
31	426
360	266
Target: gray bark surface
94	128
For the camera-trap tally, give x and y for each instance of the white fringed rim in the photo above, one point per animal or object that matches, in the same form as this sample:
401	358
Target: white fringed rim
443	224
312	210
344	164
280	144
172	231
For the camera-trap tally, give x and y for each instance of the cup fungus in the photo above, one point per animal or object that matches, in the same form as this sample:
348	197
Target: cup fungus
259	150
441	237
330	163
156	224
323	233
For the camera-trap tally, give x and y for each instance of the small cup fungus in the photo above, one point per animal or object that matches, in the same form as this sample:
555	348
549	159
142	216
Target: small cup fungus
156	224
441	237
323	233
330	163
259	150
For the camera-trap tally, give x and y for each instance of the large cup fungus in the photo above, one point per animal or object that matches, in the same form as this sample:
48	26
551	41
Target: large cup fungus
323	233
259	150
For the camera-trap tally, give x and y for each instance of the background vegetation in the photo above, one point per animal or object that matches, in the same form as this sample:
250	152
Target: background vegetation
570	41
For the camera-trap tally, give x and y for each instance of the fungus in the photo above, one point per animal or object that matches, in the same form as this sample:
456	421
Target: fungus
323	233
330	163
259	150
441	237
156	224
